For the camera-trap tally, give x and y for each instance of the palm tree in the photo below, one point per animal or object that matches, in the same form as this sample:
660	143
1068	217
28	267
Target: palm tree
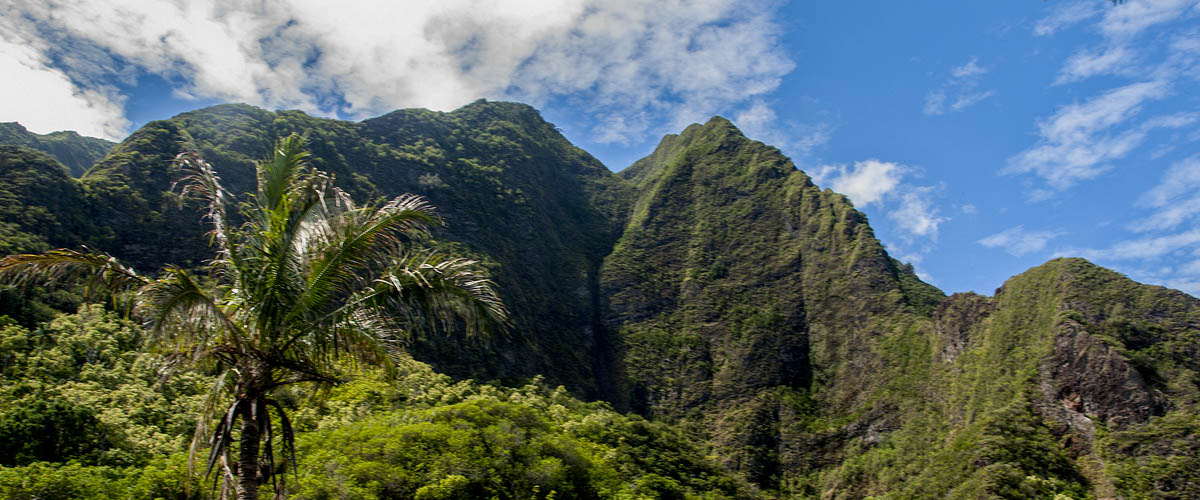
306	284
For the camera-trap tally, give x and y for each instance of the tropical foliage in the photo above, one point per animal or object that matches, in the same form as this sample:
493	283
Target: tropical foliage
307	280
750	318
415	433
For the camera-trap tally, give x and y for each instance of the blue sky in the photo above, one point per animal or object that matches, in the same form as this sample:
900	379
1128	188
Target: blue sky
981	138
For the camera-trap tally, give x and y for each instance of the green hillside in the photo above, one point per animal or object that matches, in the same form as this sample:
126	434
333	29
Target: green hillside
739	331
75	151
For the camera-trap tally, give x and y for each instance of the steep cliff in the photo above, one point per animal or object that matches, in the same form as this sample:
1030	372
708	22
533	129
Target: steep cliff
745	298
713	285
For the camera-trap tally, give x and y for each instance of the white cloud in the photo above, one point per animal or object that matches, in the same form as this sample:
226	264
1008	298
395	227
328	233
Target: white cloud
1129	19
969	209
759	122
965	101
1175	199
45	100
683	59
1018	242
1067	15
865	182
968	70
879	183
1083	140
916	214
1150	247
959	92
1086	64
1079	140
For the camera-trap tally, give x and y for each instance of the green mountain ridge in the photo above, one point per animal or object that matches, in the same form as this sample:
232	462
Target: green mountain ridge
712	286
78	153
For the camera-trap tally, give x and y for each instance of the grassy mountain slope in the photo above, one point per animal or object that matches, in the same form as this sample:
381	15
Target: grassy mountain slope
75	151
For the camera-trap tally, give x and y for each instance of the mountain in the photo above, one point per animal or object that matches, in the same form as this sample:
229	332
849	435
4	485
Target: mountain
714	287
75	151
746	300
741	293
512	190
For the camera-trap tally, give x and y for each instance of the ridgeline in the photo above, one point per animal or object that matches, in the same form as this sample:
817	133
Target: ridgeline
742	331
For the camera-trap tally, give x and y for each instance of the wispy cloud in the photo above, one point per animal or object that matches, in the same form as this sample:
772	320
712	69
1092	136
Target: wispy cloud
1174	200
1167	242
1066	15
1018	241
759	121
916	214
1079	140
1129	19
1150	247
959	92
681	60
1086	64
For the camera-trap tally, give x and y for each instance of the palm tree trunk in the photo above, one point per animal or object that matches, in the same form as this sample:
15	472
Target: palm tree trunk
248	456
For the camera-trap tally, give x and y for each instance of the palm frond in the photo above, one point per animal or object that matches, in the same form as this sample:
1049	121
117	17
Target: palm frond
278	177
344	248
201	183
182	318
433	292
97	271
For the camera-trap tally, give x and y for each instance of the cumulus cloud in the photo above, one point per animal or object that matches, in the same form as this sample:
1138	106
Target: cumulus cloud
45	100
1079	140
865	182
684	59
880	183
1018	241
959	92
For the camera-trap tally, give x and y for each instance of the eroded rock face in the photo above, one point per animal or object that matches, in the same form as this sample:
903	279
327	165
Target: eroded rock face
1090	378
954	321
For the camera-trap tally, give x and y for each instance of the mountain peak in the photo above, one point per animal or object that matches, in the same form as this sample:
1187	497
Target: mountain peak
698	141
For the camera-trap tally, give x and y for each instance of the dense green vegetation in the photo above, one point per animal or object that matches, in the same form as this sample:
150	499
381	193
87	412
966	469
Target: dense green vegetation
86	415
750	333
78	153
497	173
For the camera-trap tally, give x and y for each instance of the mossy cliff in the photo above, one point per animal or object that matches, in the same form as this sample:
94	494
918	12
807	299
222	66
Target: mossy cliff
713	286
539	212
743	296
746	301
